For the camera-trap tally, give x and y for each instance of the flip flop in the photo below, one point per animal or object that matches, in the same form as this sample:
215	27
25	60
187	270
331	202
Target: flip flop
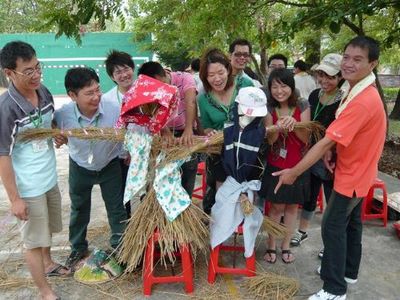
289	253
269	252
57	271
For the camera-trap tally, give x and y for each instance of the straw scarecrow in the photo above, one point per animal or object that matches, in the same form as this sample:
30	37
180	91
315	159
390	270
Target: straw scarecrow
154	172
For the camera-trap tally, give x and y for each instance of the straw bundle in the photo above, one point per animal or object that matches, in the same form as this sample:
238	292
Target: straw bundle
201	144
245	204
189	227
88	133
7	282
274	228
315	128
268	285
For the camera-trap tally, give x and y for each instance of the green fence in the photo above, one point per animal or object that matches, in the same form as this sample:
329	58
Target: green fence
58	55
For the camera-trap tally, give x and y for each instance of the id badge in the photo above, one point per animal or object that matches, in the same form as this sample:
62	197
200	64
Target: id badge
40	146
283	153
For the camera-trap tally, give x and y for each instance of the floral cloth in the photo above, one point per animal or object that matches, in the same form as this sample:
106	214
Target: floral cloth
148	90
167	183
138	144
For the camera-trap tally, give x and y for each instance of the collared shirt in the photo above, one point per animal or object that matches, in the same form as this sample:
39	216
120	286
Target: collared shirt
359	132
114	95
92	155
34	166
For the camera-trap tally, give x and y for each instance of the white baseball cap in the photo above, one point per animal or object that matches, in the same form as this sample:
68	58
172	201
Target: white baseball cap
252	102
330	64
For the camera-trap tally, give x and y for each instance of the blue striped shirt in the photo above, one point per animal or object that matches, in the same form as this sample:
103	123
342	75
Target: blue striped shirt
80	151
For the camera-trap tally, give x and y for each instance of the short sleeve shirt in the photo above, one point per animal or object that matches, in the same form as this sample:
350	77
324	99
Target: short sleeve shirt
34	162
183	81
359	132
80	151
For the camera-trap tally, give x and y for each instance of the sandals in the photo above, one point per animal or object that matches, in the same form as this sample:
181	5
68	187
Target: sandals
268	256
58	270
289	255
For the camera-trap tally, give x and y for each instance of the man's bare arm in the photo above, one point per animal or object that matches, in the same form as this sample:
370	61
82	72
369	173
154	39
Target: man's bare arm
18	206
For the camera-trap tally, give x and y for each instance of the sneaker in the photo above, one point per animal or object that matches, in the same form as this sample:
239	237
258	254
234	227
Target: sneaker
75	257
298	238
347	279
321	253
350	280
324	295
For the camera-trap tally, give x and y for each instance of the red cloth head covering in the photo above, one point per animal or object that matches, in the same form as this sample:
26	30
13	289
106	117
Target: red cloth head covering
147	90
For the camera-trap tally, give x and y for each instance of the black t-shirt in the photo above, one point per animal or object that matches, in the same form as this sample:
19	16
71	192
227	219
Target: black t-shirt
327	114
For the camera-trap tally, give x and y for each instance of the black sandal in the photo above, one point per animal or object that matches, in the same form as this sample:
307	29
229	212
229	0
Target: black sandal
269	252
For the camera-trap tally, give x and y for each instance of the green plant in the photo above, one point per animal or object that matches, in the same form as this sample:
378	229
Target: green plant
390	93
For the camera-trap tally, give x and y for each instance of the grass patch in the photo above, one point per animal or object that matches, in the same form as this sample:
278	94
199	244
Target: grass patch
394	127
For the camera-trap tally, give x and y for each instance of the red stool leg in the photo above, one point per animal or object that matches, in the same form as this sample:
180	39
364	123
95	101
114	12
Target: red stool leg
320	200
213	264
148	267
251	265
187	268
384	206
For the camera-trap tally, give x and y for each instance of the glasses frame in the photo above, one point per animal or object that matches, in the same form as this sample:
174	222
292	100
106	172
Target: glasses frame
30	73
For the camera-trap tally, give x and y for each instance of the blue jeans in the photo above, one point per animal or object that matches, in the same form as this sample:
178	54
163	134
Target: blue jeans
341	234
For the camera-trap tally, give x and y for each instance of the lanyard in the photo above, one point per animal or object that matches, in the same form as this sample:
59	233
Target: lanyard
37	122
79	121
320	108
118	96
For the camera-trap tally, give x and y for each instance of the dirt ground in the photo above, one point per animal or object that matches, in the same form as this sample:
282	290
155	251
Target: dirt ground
390	159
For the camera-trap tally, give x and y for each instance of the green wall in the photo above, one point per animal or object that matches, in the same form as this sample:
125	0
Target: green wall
58	55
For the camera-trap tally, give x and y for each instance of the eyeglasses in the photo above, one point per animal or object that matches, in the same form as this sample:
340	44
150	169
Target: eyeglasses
241	54
93	93
121	71
31	71
277	66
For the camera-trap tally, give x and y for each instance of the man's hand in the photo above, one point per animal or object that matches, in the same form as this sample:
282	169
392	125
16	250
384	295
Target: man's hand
19	209
187	137
286	176
60	140
329	162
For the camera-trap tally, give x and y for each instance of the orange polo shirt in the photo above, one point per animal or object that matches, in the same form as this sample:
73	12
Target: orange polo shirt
359	132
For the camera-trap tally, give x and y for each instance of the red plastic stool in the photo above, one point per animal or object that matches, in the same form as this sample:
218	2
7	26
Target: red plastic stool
369	210
320	200
396	227
214	268
148	267
201	170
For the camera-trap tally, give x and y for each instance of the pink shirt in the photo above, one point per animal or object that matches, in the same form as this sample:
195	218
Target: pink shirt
183	81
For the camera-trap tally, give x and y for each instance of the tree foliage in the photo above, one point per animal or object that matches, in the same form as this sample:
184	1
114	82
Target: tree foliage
67	17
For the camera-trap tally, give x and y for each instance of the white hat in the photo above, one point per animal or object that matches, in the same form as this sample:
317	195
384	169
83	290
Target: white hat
330	64
252	102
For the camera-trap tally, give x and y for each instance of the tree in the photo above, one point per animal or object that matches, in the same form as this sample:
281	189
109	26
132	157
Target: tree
67	17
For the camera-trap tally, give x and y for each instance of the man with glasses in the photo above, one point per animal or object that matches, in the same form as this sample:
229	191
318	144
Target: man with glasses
277	61
120	67
91	162
28	170
240	53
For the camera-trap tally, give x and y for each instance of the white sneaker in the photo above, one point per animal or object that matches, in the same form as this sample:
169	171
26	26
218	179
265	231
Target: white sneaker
350	280
324	295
